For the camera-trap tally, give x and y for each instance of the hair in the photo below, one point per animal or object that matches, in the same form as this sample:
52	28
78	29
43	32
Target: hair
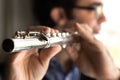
42	9
68	6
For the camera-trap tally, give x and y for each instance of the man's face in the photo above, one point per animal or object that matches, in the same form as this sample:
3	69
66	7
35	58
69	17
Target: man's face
90	12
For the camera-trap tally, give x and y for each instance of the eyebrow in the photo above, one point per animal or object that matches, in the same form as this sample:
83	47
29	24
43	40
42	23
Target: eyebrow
95	4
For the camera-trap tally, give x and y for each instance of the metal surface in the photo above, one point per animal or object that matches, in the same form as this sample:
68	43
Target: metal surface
23	40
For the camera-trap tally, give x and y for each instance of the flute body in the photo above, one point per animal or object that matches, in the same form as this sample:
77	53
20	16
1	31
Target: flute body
35	39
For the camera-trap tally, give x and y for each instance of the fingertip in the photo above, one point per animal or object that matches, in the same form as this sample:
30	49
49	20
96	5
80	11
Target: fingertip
46	29
77	24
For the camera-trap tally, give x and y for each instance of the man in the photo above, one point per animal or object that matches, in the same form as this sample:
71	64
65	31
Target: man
89	14
91	59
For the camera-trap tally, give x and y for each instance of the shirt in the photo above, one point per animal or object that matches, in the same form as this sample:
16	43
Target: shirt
55	72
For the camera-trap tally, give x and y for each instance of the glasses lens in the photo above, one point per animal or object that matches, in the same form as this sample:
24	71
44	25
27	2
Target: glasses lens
99	11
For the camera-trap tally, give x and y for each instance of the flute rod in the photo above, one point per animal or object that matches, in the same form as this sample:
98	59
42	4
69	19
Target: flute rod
35	39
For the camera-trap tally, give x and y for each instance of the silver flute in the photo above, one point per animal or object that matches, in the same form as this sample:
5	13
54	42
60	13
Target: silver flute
23	40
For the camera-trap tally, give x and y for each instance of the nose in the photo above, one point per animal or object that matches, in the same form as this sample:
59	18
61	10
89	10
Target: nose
102	18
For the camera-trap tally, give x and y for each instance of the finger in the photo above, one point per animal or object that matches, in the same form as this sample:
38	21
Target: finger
72	52
85	32
52	31
56	31
36	28
47	54
45	29
84	28
87	28
22	55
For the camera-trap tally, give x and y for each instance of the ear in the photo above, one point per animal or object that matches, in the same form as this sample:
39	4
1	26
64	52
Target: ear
58	16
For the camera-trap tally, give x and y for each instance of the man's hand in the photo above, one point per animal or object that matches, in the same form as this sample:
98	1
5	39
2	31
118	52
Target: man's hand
29	64
93	58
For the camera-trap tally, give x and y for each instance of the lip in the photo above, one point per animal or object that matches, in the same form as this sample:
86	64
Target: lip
97	29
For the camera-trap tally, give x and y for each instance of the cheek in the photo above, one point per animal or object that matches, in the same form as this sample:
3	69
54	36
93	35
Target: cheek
85	17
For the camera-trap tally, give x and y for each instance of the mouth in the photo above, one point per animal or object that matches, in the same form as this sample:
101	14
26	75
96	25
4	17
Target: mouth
97	29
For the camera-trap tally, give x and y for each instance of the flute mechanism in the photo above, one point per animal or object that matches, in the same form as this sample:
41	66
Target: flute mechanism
23	40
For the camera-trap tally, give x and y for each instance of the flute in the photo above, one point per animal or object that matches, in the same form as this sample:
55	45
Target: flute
24	40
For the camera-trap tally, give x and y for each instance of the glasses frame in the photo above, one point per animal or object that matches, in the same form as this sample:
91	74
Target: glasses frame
98	9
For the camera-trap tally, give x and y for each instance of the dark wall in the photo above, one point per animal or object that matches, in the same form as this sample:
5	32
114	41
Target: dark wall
41	10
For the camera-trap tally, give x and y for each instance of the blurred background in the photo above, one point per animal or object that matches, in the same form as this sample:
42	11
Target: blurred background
14	15
19	15
110	33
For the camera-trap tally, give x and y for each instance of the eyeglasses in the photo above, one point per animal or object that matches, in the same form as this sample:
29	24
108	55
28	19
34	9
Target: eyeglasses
98	9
